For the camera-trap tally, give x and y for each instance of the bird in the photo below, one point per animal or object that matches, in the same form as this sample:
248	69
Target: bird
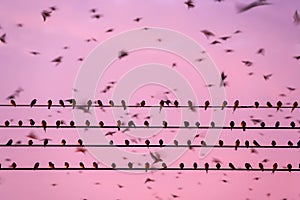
96	16
113	165
273	143
9	143
231	124
243	8
189	3
161	142
269	105
225	38
122	54
156	157
218	165
275	165
30	142
295	105
164	165
138	19
186	124
51	165
261	166
80	142
296	18
57	60
279	104
87	123
63	142
207	33
256	104
293	124
206	167
248	166
237	144
13	103
215	42
130	165
231	166
147	166
195	165
190	104
44	125
290	143
45	141
206	104
67	165
235	105
197	124
49	103
243	124
143	103
267	77
89	104
81	165
119	123
146	123
131	124
149	180
247	144
289	166
3	38
165	124
61	103
123	104
161	104
147	142
175	142
72	123
20	122
203	143
13	165
224	104
46	14
33	102
261	51
277	124
221	143
6	123
36	166
57	123
212	124
256	143
181	165
262	124
95	165
176	103
127	142
247	63
72	102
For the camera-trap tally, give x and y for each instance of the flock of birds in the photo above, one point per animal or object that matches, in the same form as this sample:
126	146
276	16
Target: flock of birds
80	146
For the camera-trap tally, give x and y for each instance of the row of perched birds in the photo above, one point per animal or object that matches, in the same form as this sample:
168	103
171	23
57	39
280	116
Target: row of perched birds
131	124
176	143
218	166
162	103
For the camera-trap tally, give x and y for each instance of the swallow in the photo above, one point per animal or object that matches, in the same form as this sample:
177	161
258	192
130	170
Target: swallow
147	142
279	104
44	125
95	165
30	142
123	104
111	103
67	165
289	166
269	104
206	104
215	42
147	167
243	8
138	19
109	31
110	133
96	16
161	104
181	165
72	102
57	123
273	143
225	38
248	166
206	167
197	124
190	104
81	165
36	165
256	143
127	142
295	105
61	103
72	123
156	157
203	143
175	142
13	103
45	142
293	124
119	123
247	144
49	103
208	33
33	102
297	57
262	124
221	143
261	51
189	3
267	77
51	165
243	124
231	125
261	166
9	143
143	103
146	123
164	165
46	14
195	165
57	60
218	166
256	104
101	124
186	124
161	142
237	144
3	38
13	165
275	166
113	165
63	142
290	143
236	105
6	123
277	124
231	166
224	104
89	104
122	54
87	123
80	142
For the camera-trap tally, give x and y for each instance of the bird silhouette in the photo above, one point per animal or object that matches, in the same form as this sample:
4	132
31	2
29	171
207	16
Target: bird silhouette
292	124
46	14
261	166
30	142
87	123
243	124
195	165
237	144
186	124
122	53
261	51
130	165
113	165
33	102
147	166
146	123
221	143
289	166
247	144
235	105
212	124
72	123
277	124
295	105
206	104
224	104
143	103
131	124
3	38
181	165
57	123
67	165
256	143
175	142
49	103
256	104
189	3
61	103
13	103
218	166
63	142
164	165
72	102
101	124
207	33
156	157
89	104
127	142
190	104
81	165
206	167
176	103
13	165
161	142
80	142
269	105
6	123
273	143
123	104
231	125
51	165
248	166
44	125
203	143
262	124
290	143
275	166
197	124
165	124
223	78
231	166
296	18
20	122
9	143
242	8
147	142
36	165
57	60
95	165
45	141
279	104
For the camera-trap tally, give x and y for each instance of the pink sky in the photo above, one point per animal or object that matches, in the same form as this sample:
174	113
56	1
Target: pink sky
269	27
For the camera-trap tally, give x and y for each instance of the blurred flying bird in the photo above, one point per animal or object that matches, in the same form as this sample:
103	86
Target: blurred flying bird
3	38
57	60
208	33
242	8
189	3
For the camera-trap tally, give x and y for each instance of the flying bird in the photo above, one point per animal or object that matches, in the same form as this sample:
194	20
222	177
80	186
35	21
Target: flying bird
243	8
122	54
3	38
46	14
189	3
57	60
261	51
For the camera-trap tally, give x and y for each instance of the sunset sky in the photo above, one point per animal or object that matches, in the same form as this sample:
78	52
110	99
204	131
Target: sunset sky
172	59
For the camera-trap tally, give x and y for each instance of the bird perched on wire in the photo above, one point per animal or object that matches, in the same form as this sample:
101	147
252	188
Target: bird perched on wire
289	166
67	165
295	105
72	102
273	143
13	103
95	165
89	104
237	144
248	166
224	104
218	166
269	105
119	123
161	104
36	165
197	124
293	124
247	144
275	166
221	143
206	167
143	103
13	165
190	104
243	124
9	142
49	103
256	143
61	103
6	123
231	124
51	165
231	166
33	102
131	124
186	124
235	105
81	165
123	104
261	166
176	103
206	104
146	123
195	165
256	104
44	125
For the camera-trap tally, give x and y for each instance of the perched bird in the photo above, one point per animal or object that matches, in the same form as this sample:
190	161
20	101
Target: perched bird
237	144
72	102
269	104
212	124
190	104
181	165
186	124
9	143
95	165
80	142
165	124
175	142
119	123
123	104
33	102
243	8
218	165
161	142
13	165
44	125
256	143
130	165
63	142
293	124
224	104
247	144
262	124
248	166
231	124
231	166
295	105
261	166
206	167
235	105
275	166
89	104
147	166
30	142
36	166
164	165
57	123
256	104
51	165
206	104
20	122
277	124
143	103
195	165
87	123
161	104
290	143
289	166
127	142
273	143
72	123
113	165
49	103
243	124
6	123
203	143
67	165
147	142
61	103
279	104
131	124
57	60
13	103
81	165
221	143
197	124
146	123
45	141
176	103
